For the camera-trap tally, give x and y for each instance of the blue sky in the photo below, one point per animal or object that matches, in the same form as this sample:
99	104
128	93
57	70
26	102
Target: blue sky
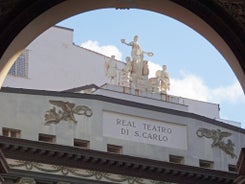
197	70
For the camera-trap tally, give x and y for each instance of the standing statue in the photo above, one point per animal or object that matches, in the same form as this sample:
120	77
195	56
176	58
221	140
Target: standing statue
136	71
137	54
128	66
163	79
111	69
125	73
145	69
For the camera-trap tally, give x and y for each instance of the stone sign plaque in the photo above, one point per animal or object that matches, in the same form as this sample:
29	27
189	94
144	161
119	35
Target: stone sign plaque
143	130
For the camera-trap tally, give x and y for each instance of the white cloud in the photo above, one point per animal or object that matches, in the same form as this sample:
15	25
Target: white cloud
153	68
232	93
107	50
192	86
188	86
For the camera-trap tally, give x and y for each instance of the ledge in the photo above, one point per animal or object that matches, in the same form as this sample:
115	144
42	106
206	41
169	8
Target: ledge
114	163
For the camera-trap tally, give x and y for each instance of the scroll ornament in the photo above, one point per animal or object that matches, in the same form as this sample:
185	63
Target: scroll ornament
26	180
217	136
65	111
81	173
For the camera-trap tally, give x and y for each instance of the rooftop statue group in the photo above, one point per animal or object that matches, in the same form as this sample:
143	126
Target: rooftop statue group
136	70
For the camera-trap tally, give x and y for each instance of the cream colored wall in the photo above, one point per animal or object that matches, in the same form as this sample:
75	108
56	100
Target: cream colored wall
26	112
56	64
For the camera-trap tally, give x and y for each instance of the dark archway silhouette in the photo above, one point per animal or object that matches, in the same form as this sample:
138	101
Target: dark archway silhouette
219	21
22	21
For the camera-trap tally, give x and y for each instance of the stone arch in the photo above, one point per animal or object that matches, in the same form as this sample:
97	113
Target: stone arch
208	18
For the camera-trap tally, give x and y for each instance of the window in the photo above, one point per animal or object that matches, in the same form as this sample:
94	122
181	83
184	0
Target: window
81	143
176	159
232	168
47	138
8	132
206	164
20	67
114	149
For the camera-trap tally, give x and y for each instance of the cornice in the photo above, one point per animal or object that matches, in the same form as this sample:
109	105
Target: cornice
3	163
77	174
72	157
121	102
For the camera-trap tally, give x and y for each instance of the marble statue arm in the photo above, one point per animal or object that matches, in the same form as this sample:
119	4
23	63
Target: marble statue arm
150	54
124	42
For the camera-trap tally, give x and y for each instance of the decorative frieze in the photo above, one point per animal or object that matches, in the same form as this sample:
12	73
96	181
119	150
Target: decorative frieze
26	180
66	111
218	139
78	173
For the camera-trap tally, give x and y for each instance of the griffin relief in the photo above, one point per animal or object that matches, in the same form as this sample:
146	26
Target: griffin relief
217	136
65	111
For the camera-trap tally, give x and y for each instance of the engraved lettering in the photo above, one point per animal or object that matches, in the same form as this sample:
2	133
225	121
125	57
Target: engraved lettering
155	128
148	131
126	123
124	131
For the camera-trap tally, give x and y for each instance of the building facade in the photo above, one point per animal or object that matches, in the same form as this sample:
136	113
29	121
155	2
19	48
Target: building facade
102	132
50	133
72	67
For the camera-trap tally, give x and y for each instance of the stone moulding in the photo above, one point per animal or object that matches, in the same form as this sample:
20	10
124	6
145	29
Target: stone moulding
79	173
26	180
217	136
